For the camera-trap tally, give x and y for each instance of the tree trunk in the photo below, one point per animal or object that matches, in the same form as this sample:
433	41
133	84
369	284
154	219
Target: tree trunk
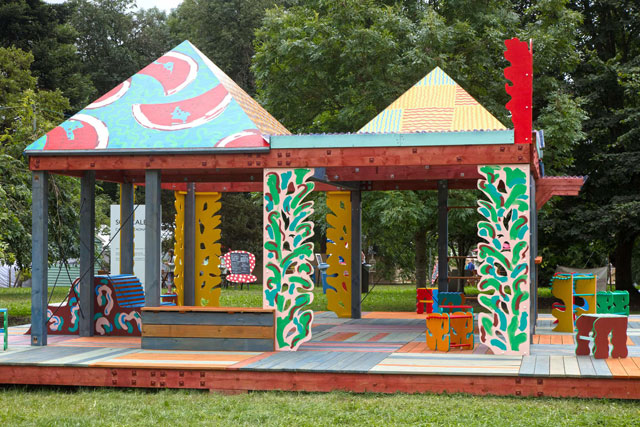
421	257
622	262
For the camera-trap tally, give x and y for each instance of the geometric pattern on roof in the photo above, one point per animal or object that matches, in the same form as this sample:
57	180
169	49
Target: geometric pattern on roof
180	101
435	104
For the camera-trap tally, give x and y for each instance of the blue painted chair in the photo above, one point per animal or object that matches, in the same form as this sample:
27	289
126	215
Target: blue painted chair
5	329
322	269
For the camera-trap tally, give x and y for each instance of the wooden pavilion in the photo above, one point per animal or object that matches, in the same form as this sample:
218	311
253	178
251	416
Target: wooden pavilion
182	124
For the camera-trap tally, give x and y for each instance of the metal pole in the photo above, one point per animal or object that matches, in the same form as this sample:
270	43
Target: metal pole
534	254
152	239
39	257
87	251
127	226
356	249
190	245
443	237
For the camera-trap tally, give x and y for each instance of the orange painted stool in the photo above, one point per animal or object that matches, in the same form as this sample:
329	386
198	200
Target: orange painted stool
449	330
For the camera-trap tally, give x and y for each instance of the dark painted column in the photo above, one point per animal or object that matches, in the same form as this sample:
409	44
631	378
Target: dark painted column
356	249
443	237
152	239
126	231
190	245
39	257
533	245
87	251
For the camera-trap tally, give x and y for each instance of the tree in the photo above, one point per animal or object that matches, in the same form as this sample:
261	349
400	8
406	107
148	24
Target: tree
611	153
332	66
114	42
44	30
414	213
224	31
27	112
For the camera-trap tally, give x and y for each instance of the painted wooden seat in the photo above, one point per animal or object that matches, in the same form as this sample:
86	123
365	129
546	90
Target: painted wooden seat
117	302
5	329
596	328
240	265
449	330
452	302
427	300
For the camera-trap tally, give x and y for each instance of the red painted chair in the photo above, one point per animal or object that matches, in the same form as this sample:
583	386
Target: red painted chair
240	265
596	328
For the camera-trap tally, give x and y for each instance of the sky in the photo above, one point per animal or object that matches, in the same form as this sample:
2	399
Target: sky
165	5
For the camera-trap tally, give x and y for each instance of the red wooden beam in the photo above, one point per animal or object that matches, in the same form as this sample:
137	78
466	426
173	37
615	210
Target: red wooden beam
535	159
241	381
235	187
402	173
417	185
550	186
317	157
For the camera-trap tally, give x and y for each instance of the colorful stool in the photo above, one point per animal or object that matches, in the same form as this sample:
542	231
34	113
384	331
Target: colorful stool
449	330
426	300
5	330
566	287
596	328
616	302
452	302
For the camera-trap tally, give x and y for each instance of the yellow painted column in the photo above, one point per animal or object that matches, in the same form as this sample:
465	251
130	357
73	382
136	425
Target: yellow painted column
178	249
208	249
339	249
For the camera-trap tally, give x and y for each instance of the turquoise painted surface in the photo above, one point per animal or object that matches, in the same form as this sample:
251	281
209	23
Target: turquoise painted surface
126	133
426	139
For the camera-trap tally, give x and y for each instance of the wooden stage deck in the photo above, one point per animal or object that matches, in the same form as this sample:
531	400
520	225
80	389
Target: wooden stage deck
383	352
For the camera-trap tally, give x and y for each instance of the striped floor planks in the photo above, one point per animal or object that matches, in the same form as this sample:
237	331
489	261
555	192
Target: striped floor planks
447	364
378	343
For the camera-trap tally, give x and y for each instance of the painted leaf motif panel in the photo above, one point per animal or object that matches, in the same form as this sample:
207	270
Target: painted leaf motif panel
504	258
288	287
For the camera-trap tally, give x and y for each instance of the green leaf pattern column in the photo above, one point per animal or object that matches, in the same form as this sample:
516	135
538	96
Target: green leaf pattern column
504	258
288	254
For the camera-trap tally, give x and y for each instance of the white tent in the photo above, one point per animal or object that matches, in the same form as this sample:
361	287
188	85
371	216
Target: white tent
600	272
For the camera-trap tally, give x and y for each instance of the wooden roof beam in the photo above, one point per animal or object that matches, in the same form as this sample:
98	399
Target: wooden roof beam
294	158
550	186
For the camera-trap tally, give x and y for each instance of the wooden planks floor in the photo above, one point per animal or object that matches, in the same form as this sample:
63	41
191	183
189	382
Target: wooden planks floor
380	343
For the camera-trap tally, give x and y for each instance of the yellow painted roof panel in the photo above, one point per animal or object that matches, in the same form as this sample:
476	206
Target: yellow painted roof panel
435	104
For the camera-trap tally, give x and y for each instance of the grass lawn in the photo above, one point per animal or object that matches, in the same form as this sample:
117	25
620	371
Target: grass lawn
79	407
381	298
18	301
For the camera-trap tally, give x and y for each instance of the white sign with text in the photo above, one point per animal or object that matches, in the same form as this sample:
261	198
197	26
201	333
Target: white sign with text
138	241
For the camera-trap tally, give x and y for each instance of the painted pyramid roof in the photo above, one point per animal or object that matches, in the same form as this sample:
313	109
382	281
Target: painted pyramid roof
180	101
435	104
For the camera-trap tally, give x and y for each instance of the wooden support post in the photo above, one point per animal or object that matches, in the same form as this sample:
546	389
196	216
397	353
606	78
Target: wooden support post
356	250
533	255
126	231
190	245
87	251
443	237
152	239
39	258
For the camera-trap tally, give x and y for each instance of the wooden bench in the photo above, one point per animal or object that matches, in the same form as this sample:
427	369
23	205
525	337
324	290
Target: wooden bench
208	328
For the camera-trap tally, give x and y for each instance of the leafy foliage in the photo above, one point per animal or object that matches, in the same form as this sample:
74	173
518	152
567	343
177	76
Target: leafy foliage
223	30
326	66
331	66
605	220
45	31
114	42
